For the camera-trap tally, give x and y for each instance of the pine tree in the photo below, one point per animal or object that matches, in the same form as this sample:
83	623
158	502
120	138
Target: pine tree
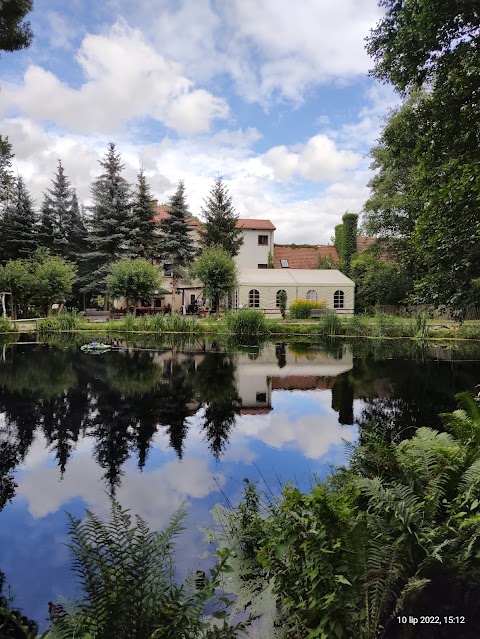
144	241
6	177
110	232
46	227
176	242
221	220
18	231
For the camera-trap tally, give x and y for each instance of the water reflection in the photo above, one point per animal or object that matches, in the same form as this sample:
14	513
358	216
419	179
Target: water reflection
191	420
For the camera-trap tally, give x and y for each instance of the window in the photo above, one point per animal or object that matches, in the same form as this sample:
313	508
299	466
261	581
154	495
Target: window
278	297
263	240
263	266
312	295
284	263
338	299
167	270
261	398
254	298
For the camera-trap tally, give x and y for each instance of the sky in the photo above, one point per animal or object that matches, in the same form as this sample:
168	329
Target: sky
273	96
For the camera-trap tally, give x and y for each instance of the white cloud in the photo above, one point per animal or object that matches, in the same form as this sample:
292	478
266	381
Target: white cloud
153	495
318	160
125	80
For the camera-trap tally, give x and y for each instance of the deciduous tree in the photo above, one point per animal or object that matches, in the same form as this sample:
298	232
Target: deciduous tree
133	279
216	269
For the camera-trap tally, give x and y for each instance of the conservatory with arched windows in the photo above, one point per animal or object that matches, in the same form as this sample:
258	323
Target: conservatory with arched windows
261	289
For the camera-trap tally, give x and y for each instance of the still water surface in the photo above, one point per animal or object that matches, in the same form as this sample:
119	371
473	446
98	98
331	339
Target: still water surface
158	426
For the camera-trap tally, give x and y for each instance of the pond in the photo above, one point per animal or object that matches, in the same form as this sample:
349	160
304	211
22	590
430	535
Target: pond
156	426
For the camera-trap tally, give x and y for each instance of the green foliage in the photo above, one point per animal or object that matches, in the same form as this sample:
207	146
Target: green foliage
377	281
18	232
425	195
110	225
300	308
217	272
246	323
53	279
350	221
338	242
282	302
380	539
127	575
6	325
270	263
331	324
65	321
133	280
327	263
16	278
6	176
144	240
15	34
221	220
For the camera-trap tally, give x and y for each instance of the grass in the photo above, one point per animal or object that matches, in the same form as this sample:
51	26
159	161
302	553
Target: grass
252	323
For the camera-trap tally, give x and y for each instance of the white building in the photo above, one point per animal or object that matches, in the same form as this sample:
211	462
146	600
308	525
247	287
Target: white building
259	288
257	243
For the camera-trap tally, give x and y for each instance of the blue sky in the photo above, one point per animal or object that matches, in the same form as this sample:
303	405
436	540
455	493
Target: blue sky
272	95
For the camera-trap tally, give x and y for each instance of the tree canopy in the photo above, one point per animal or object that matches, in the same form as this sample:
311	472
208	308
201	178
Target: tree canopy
133	279
425	194
216	269
220	220
15	34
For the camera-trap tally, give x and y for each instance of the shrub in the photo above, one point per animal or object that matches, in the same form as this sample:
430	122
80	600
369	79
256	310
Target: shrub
246	322
282	302
6	325
300	309
66	321
331	324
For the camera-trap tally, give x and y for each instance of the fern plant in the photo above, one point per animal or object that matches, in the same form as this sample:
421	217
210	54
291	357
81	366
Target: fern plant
127	576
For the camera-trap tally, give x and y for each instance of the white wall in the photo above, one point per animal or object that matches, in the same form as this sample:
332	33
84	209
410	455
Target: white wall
251	254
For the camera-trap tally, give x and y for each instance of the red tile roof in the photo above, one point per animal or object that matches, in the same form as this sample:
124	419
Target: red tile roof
364	242
255	411
302	257
260	225
162	214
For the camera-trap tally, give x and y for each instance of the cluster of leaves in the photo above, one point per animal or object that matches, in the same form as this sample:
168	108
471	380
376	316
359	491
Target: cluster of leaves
216	269
346	241
396	533
127	575
300	308
425	192
45	279
377	281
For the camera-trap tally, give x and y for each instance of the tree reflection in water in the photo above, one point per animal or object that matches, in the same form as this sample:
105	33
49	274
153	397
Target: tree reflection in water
122	399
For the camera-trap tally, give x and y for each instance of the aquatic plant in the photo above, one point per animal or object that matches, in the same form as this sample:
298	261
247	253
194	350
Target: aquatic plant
64	321
246	323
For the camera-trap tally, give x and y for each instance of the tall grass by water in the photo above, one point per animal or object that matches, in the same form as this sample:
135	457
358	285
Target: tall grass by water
246	323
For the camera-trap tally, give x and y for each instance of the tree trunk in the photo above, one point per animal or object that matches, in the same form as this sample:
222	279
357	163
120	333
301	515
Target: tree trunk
105	301
134	308
49	310
174	291
14	307
217	308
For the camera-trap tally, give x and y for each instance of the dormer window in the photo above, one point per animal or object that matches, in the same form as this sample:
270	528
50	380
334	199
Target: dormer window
263	240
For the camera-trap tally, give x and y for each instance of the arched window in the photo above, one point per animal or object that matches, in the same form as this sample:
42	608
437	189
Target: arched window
312	296
254	298
278	296
338	299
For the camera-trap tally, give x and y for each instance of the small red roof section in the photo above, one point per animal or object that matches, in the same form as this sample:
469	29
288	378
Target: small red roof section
255	411
364	242
256	225
161	213
302	256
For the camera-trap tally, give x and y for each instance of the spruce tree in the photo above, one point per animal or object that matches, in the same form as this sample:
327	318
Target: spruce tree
176	242
110	231
46	226
18	231
144	241
6	177
221	220
57	214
